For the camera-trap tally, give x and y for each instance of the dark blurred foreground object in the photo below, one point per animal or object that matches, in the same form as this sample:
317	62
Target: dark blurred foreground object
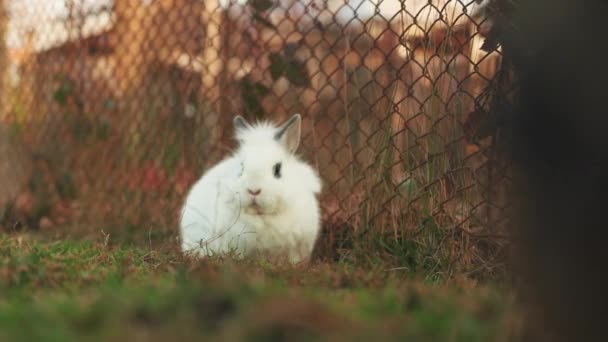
560	150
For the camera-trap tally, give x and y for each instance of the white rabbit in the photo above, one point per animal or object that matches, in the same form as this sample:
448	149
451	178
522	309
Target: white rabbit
262	199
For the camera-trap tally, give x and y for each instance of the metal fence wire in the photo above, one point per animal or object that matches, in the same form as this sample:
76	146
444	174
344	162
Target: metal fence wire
112	109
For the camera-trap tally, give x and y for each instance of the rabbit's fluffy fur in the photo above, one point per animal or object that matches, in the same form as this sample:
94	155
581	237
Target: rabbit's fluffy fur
223	214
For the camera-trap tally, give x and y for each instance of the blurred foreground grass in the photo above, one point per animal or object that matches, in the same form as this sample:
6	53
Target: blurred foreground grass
62	290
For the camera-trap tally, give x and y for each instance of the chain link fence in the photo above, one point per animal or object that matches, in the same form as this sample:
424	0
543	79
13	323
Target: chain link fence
112	109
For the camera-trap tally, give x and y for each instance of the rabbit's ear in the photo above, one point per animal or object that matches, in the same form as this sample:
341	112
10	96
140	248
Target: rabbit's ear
289	133
240	123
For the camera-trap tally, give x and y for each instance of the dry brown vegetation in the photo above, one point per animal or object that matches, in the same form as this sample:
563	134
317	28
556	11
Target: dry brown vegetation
126	112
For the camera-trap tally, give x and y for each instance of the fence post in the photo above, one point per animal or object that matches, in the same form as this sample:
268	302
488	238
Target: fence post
212	17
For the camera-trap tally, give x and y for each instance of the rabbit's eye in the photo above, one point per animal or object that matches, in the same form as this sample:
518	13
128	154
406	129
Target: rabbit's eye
277	170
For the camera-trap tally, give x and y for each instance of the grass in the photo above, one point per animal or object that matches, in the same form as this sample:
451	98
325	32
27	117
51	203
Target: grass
62	290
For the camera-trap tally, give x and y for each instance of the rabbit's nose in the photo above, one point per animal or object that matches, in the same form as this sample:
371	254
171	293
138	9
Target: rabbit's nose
254	192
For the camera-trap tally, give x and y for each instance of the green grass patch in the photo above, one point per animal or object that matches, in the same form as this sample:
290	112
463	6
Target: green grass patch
82	290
